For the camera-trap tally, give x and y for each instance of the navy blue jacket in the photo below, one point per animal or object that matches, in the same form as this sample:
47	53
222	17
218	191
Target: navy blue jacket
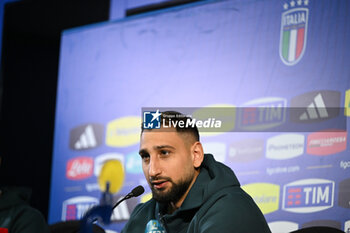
215	203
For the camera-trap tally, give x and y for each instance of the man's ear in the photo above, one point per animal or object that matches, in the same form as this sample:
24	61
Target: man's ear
197	154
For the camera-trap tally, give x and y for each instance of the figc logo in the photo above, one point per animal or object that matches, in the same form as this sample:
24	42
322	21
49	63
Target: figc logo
293	32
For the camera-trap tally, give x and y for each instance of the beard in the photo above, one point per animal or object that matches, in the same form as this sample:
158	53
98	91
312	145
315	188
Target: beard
174	194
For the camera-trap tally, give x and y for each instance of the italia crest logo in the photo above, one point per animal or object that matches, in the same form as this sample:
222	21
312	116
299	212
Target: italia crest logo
294	31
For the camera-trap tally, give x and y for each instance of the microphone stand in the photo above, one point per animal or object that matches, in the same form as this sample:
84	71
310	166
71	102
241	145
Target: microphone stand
129	195
104	210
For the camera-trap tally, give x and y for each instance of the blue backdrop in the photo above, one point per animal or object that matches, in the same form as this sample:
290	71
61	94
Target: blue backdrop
233	53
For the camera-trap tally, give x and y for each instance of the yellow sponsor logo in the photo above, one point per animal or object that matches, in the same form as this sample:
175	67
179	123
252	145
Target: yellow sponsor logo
226	113
123	131
265	195
347	103
146	197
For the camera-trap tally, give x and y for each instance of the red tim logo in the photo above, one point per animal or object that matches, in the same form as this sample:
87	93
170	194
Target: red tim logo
294	196
326	143
79	168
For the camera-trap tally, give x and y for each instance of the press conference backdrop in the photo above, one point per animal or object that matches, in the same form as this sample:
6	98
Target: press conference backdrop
232	53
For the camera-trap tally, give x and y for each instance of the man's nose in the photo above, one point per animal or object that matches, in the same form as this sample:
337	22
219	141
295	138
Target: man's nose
154	167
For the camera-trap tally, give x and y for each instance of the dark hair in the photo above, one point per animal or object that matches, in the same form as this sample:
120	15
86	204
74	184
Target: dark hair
175	117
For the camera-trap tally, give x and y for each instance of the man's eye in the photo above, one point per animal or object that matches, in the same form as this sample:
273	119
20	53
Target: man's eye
164	152
144	156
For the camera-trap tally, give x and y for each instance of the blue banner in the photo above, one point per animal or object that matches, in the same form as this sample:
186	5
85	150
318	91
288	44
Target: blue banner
275	54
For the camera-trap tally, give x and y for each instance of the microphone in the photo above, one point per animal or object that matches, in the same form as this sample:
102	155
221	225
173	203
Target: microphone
104	210
137	191
134	193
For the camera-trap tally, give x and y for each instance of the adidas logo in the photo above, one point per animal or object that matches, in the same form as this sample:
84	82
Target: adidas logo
86	137
86	140
315	106
317	109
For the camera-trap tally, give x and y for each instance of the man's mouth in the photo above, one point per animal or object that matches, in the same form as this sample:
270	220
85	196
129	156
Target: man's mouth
159	184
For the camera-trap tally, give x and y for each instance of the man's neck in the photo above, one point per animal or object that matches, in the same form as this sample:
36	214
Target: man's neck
172	206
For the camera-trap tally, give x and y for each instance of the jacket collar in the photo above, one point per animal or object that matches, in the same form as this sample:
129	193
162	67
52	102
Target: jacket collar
195	196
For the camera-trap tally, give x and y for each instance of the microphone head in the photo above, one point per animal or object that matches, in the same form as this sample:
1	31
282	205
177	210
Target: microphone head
137	191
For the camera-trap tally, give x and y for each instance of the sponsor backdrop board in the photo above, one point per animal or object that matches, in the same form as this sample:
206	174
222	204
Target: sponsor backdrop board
273	54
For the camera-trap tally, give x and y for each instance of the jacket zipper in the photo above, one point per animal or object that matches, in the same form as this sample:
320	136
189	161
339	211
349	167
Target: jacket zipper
162	221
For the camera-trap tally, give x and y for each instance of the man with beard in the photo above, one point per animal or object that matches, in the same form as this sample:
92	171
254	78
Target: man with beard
191	192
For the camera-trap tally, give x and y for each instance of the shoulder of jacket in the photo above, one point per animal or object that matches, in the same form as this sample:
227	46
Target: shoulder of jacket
147	206
229	196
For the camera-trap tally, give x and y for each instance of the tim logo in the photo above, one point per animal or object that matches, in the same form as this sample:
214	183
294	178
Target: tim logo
79	168
315	106
151	120
308	196
86	137
261	114
293	31
75	208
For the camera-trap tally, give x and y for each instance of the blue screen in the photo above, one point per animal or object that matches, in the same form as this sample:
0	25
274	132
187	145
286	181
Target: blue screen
217	53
